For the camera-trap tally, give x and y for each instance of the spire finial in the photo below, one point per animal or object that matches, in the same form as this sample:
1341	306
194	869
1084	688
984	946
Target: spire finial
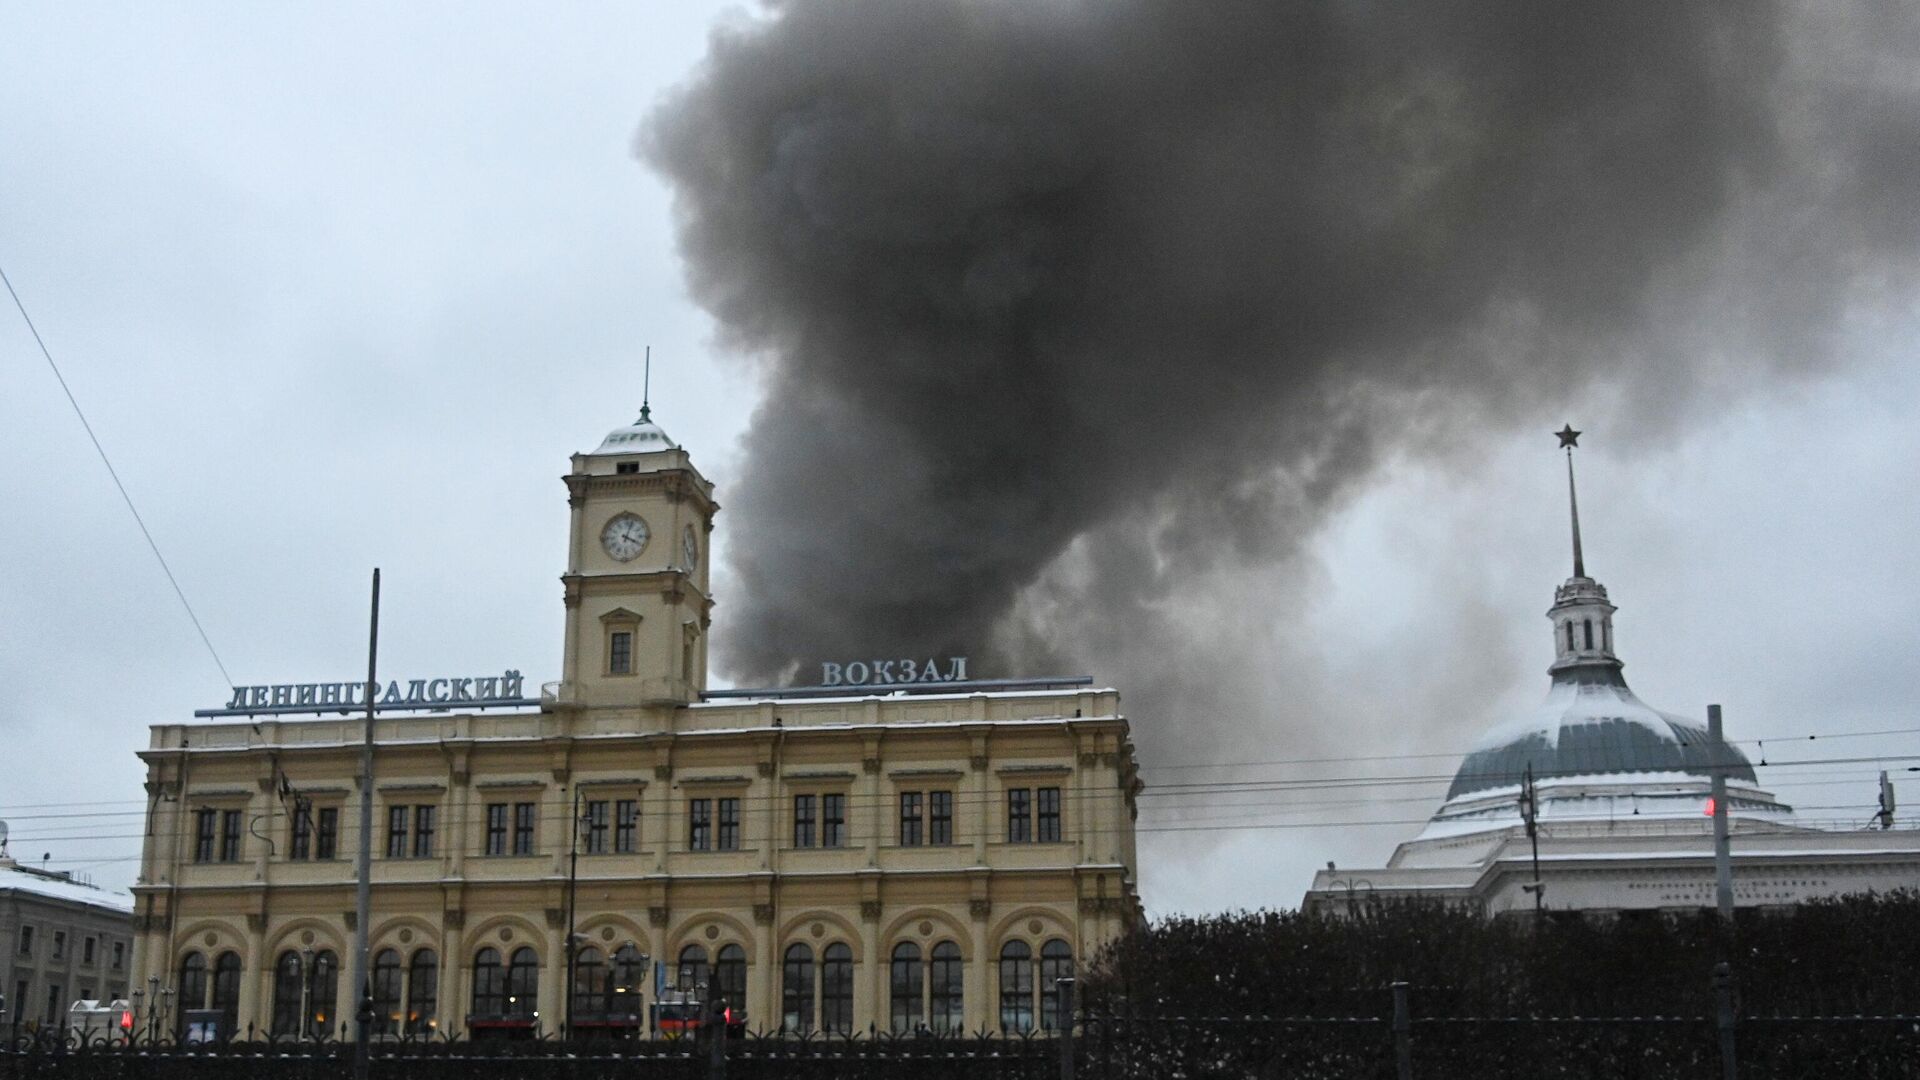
1569	439
646	388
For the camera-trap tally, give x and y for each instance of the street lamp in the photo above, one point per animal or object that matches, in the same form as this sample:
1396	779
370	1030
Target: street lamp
306	993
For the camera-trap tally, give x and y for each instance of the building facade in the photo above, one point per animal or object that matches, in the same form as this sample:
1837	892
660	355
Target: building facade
1617	793
931	854
65	941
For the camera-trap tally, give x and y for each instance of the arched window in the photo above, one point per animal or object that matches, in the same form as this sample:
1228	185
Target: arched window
523	983
423	992
692	976
1589	633
1606	636
836	989
1016	988
796	989
193	982
904	988
226	991
626	978
489	984
386	992
286	996
322	994
946	984
589	982
1056	963
1569	635
730	976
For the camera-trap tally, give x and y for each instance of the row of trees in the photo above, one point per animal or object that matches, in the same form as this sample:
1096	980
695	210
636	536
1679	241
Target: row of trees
1848	956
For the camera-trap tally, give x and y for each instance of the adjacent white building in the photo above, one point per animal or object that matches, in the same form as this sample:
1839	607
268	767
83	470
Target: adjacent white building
1620	796
64	940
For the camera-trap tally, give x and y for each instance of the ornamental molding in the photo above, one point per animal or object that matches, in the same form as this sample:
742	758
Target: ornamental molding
979	909
870	910
556	918
763	914
658	916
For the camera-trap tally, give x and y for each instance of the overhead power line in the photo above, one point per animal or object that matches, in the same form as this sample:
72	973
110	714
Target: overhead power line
111	471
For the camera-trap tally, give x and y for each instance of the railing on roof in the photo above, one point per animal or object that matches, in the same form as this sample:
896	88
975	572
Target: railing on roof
970	686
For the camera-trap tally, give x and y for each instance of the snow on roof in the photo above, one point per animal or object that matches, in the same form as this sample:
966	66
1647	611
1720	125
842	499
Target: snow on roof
50	886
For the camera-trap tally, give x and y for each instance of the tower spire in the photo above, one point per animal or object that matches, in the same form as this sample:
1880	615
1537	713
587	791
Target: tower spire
646	388
1569	439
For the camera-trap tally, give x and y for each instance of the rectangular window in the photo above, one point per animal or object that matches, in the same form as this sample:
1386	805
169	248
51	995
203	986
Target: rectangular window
1049	817
523	828
423	831
595	827
729	825
119	955
326	833
229	836
397	832
59	944
53	1004
910	821
26	946
699	824
626	825
1019	815
20	995
300	844
940	817
803	821
86	953
205	823
620	653
833	821
497	828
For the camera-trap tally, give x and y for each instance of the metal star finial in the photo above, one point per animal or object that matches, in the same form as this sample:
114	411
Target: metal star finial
1568	437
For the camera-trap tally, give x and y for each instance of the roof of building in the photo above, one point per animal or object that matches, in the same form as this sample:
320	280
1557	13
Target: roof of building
643	436
1591	724
60	886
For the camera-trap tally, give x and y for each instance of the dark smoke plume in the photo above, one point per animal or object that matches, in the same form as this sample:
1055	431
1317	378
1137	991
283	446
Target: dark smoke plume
1073	315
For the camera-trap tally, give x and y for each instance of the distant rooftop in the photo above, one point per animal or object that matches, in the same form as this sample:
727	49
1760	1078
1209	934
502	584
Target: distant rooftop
60	885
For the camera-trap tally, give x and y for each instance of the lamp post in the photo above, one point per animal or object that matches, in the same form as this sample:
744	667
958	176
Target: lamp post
306	994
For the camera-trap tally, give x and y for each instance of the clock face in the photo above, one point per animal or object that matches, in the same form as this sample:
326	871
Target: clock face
690	546
625	537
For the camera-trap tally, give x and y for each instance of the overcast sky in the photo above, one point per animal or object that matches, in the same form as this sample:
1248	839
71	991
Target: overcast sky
343	288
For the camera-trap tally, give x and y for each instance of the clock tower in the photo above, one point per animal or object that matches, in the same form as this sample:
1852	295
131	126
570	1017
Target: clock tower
638	608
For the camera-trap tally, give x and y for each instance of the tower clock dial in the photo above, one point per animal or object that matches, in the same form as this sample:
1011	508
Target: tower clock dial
625	537
690	547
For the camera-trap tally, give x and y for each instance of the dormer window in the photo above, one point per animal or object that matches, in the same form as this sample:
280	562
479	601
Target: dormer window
626	467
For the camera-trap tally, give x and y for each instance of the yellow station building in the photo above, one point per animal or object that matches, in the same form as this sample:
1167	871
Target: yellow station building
915	852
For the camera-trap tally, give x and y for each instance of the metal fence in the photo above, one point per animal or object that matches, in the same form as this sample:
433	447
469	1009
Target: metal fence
1394	1045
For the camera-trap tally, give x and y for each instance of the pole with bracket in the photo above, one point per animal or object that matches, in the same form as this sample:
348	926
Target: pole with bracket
363	894
1722	847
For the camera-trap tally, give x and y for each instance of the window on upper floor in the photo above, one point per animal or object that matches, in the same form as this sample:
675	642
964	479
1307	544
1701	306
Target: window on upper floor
523	828
26	940
59	944
119	955
300	832
205	824
423	829
86	952
1047	800
620	652
700	824
728	838
496	828
229	836
397	820
805	820
912	818
326	833
1019	815
833	820
939	817
593	827
625	467
626	826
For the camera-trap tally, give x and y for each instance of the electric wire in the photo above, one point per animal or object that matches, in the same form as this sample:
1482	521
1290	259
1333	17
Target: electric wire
115	474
